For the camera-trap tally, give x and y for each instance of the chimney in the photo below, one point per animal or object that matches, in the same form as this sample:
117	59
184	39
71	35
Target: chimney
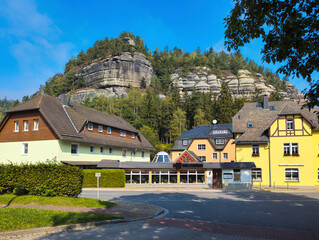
63	99
265	102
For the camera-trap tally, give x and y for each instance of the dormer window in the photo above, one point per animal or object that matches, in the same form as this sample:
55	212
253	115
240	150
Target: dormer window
250	125
100	128
220	141
90	126
133	135
109	130
290	124
184	142
122	133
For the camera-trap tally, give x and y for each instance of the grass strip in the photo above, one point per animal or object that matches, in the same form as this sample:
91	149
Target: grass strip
9	199
24	218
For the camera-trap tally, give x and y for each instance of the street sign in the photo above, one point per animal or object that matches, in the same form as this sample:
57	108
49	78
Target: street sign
98	174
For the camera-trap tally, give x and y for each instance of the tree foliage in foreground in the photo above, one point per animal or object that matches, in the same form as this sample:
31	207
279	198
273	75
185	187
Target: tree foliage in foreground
290	31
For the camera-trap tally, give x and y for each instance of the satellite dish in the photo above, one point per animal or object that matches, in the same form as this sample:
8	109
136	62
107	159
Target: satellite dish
214	121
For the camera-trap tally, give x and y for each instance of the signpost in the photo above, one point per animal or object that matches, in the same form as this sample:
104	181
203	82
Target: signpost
98	175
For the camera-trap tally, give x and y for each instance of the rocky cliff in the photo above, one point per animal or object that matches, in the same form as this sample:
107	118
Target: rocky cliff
242	85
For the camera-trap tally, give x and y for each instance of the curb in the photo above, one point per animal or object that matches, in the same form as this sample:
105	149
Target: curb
40	232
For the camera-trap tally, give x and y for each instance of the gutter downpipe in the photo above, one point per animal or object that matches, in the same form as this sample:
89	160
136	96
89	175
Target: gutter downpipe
269	165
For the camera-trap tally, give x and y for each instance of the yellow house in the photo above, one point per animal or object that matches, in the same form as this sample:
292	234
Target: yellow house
282	140
211	143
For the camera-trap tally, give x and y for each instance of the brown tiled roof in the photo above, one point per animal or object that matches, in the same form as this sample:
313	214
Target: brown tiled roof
262	119
67	121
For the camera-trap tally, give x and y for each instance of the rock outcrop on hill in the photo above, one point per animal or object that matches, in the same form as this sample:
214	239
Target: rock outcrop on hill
242	85
116	72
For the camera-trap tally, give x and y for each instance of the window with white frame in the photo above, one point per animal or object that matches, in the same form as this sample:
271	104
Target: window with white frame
74	149
109	130
291	174
214	156
101	150
92	149
124	152
290	124
16	126
201	147
90	126
220	131
225	156
35	124
255	150
256	174
124	133
237	175
25	148
291	149
184	142
133	135
110	150
220	141
202	158
100	127
143	154
26	125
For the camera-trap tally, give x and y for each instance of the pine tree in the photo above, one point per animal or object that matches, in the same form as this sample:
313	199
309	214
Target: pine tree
224	111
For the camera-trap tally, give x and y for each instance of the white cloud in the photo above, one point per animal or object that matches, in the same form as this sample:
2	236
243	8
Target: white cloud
34	41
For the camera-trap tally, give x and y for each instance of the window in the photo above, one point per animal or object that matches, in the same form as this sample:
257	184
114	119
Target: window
90	126
290	124
225	156
16	126
291	174
228	176
201	147
184	142
237	175
250	125
26	125
101	150
109	130
255	150
124	153
318	174
143	154
214	156
133	135
74	149
92	149
220	141
25	148
291	149
202	158
35	124
100	127
124	133
256	174
110	150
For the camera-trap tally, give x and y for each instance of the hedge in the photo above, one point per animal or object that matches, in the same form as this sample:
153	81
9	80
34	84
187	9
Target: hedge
64	180
110	178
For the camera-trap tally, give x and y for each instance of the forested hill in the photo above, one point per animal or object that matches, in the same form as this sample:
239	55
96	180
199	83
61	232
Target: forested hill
138	79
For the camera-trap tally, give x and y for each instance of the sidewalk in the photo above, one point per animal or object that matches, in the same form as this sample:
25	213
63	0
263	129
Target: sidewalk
131	211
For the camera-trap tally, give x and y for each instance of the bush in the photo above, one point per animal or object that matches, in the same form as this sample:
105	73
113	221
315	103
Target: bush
42	178
19	190
112	178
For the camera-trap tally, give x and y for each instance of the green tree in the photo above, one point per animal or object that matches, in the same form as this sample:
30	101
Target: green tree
275	96
199	118
143	83
150	110
257	95
150	134
178	124
290	31
224	105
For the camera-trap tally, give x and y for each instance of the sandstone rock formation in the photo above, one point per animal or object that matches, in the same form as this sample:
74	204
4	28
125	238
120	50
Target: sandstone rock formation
117	71
242	85
80	95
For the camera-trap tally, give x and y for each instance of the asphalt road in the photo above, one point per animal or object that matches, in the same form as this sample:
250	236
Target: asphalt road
288	214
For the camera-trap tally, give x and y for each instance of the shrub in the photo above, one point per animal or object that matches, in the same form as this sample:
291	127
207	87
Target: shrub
45	191
109	178
19	190
48	178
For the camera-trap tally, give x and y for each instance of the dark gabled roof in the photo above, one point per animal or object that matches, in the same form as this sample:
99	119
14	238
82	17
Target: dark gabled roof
67	121
262	119
205	131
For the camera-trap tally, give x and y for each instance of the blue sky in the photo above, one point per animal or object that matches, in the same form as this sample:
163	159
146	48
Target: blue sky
37	37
